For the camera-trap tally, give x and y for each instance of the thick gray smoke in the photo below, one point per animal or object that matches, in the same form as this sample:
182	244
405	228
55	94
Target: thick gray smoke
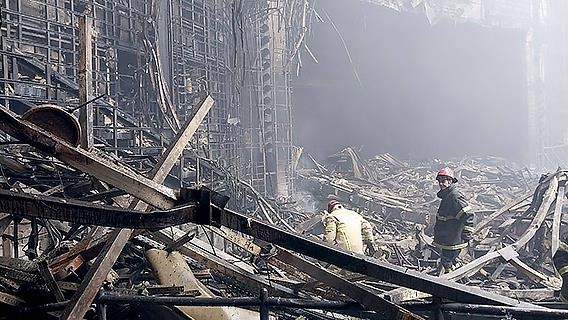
412	89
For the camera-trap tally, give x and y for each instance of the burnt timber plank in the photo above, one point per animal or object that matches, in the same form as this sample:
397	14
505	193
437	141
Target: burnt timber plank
86	213
538	277
90	285
86	80
357	263
50	281
482	224
90	162
558	216
222	266
85	294
255	249
368	299
87	248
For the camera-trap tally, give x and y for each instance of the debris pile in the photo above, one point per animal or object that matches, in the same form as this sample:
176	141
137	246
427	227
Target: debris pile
387	190
400	199
78	246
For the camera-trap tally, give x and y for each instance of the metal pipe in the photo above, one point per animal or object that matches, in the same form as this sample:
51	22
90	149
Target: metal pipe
556	310
108	298
264	311
180	301
234	302
277	302
85	103
309	304
502	310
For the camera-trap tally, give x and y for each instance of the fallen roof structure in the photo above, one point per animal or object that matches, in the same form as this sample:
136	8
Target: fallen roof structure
377	288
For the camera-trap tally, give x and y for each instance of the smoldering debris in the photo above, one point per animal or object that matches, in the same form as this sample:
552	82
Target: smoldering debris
50	256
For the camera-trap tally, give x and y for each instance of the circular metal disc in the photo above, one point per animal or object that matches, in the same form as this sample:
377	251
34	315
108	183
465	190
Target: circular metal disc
55	120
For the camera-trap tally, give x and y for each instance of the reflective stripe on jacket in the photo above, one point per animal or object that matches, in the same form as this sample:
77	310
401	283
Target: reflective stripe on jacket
347	229
454	222
560	260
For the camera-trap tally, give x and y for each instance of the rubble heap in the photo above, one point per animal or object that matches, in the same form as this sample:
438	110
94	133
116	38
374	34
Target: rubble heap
400	199
106	240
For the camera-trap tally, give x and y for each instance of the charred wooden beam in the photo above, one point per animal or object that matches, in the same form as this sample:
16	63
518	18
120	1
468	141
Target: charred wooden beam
538	277
256	250
90	162
549	198
560	197
86	213
82	299
368	299
486	221
88	248
50	281
357	263
220	265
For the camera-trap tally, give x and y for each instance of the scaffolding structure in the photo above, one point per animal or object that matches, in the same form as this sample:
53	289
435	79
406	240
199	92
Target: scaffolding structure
151	62
266	111
42	39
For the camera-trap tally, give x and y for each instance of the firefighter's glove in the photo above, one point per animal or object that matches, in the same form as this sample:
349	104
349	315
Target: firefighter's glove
371	248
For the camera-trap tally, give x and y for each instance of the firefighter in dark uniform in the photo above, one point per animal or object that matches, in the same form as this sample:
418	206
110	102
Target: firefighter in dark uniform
560	260
454	221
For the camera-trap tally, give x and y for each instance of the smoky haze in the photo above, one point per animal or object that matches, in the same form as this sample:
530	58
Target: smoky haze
440	91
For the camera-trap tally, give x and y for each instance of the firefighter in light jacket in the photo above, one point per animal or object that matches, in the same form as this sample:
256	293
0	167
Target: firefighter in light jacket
347	229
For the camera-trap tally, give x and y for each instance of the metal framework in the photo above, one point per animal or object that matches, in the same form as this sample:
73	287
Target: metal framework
151	61
266	107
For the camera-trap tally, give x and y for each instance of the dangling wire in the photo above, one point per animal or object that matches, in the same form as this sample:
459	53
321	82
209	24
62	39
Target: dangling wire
209	239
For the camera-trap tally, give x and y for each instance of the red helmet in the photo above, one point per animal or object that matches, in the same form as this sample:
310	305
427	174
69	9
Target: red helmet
447	172
331	204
